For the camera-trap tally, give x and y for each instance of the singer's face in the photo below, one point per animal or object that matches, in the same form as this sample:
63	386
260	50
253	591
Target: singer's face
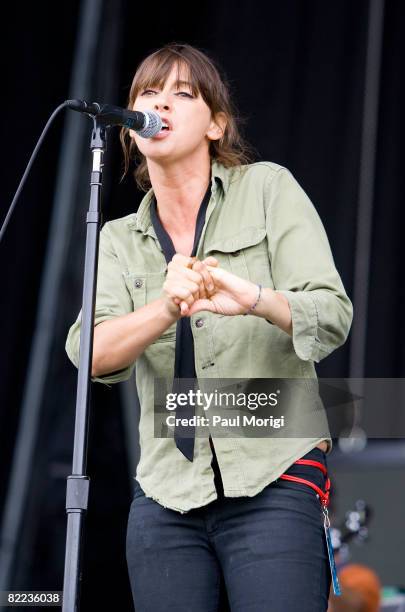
191	125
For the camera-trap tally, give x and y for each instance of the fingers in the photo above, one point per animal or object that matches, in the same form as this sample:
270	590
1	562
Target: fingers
206	284
189	280
182	260
181	291
202	284
201	305
179	275
185	308
216	272
178	270
210	261
182	266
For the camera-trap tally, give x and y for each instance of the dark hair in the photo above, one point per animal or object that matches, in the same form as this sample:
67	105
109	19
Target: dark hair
204	77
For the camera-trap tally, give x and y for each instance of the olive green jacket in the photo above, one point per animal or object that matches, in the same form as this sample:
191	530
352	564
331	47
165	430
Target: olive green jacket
261	226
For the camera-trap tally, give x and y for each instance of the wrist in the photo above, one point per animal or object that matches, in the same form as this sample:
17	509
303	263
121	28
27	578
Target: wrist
255	301
169	310
264	306
274	307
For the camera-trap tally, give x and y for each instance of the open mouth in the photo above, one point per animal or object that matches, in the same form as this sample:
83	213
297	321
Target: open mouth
165	129
166	126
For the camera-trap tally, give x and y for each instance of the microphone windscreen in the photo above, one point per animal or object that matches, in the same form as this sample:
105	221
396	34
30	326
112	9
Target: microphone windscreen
153	125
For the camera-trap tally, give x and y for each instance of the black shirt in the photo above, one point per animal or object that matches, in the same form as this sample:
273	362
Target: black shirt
184	357
184	353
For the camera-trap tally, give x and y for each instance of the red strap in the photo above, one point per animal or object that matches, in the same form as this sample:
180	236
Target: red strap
323	495
314	463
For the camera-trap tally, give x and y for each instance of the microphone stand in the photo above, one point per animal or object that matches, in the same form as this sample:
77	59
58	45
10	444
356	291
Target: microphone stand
77	490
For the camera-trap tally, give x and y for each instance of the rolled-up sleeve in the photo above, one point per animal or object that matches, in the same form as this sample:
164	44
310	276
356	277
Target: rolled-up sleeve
304	271
112	300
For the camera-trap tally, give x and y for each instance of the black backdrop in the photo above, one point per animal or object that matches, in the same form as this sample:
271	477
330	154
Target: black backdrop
297	73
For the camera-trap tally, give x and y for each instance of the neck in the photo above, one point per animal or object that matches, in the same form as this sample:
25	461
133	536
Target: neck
179	189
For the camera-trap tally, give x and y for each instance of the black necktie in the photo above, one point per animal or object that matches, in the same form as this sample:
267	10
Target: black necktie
184	363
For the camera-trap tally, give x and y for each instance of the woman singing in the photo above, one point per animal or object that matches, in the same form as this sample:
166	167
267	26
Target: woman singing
216	238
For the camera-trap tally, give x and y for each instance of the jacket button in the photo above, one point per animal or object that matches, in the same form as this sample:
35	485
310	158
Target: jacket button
138	282
235	253
199	323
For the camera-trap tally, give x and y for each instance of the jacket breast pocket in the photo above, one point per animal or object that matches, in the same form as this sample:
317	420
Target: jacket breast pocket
245	254
144	288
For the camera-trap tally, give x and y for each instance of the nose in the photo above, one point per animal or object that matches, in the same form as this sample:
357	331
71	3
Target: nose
161	106
161	103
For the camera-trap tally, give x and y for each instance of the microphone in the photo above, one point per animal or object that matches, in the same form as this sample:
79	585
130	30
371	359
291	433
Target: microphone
145	124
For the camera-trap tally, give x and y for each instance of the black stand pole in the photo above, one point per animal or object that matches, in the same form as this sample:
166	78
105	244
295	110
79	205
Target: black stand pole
78	483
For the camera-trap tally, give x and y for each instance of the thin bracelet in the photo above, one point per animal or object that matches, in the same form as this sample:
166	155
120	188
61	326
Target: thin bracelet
256	303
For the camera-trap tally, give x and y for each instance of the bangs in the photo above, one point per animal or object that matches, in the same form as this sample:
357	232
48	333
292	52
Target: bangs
155	70
197	72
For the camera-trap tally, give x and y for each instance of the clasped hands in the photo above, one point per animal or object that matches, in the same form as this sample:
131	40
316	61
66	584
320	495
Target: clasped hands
192	285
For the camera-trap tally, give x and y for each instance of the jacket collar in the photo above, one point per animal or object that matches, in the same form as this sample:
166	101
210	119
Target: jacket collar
143	223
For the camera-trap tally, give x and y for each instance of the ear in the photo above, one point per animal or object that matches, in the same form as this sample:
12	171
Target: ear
217	127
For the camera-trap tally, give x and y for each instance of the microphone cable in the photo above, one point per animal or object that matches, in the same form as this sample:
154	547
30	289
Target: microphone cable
29	166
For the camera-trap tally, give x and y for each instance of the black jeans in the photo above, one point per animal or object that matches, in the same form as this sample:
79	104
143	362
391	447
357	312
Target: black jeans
265	553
